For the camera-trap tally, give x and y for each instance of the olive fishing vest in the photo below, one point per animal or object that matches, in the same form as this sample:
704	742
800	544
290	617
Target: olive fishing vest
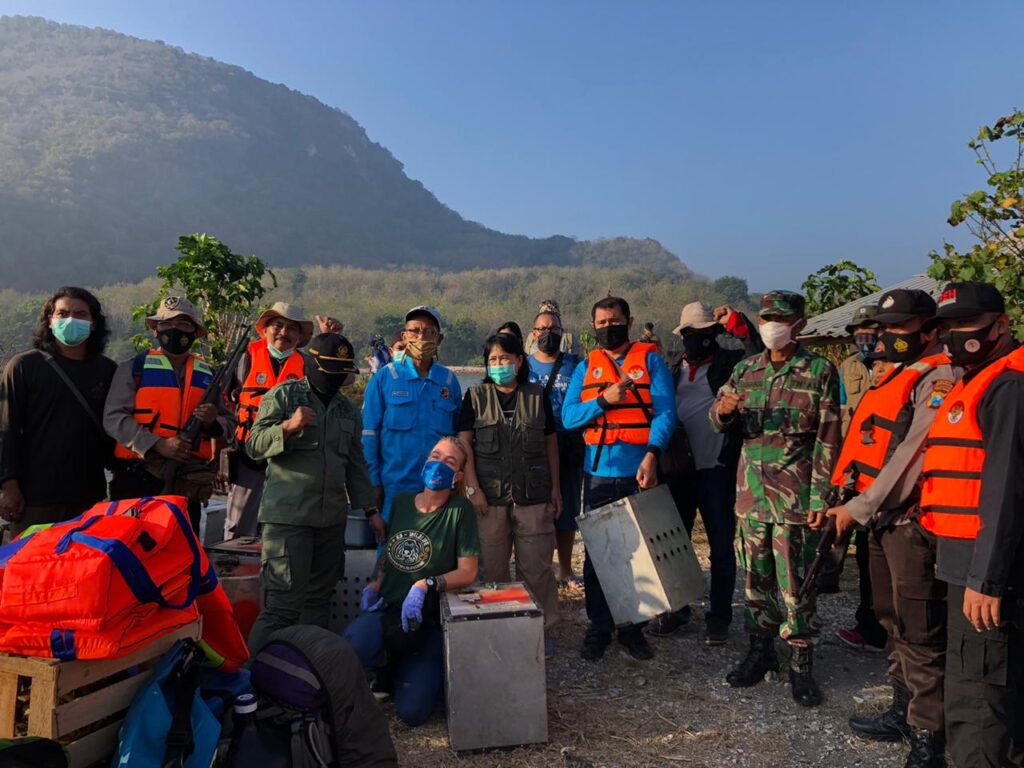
511	459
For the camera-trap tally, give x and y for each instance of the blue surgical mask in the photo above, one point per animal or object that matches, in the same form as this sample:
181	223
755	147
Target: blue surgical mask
70	331
438	476
277	354
501	374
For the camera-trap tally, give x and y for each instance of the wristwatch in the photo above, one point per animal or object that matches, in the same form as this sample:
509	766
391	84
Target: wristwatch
370	512
431	583
470	491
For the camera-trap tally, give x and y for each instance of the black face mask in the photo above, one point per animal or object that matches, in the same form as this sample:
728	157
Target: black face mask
901	347
176	341
325	383
549	342
969	347
612	336
699	346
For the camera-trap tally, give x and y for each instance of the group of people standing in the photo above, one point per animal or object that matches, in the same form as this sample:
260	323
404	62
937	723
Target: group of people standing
916	443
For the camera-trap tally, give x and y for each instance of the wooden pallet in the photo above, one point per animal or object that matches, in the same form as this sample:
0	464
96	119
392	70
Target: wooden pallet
78	703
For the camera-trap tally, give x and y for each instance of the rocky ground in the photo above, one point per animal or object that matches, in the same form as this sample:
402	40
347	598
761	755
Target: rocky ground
677	710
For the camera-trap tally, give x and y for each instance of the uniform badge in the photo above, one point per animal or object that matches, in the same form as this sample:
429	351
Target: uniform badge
597	373
972	345
947	297
445	393
940	389
956	413
171	302
889	301
261	378
636	373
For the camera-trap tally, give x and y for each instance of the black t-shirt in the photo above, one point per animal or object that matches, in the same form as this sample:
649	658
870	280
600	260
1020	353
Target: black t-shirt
508	402
47	440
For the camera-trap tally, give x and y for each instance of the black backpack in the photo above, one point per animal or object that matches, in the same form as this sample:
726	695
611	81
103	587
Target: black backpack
315	707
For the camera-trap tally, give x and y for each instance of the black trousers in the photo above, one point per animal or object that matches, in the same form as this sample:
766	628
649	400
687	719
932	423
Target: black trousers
133	481
911	604
984	678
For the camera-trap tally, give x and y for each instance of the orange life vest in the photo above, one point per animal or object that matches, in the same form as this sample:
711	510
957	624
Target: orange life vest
260	379
954	456
880	424
160	404
110	581
630	420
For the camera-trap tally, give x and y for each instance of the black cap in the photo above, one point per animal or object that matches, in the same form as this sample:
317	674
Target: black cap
969	300
332	353
863	315
902	304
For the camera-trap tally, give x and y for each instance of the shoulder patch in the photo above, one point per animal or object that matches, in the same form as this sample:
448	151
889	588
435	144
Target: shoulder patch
940	389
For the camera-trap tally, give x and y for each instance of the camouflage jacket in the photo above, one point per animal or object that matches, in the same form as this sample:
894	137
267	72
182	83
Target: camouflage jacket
791	435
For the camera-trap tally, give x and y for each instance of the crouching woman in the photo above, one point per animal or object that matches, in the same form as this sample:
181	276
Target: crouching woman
432	547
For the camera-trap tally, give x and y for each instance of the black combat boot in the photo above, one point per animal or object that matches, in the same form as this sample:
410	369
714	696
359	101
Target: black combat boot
927	749
805	690
760	659
891	725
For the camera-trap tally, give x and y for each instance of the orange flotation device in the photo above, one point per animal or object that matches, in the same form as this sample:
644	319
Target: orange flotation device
108	582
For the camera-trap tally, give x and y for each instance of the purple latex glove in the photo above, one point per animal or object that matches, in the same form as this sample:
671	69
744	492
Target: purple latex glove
370	600
412	608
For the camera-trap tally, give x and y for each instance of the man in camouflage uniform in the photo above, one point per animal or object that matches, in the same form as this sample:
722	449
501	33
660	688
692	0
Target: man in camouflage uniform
787	402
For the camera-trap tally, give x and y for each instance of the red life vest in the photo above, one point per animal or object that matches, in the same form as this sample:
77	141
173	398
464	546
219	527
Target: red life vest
260	380
954	456
630	420
880	424
161	405
111	580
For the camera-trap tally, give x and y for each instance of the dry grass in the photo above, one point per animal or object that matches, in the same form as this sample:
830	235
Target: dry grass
677	710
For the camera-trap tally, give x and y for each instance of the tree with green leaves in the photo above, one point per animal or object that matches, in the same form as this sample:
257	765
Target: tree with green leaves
226	287
994	217
837	284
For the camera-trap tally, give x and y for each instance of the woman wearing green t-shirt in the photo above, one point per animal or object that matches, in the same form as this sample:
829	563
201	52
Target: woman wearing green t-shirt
432	547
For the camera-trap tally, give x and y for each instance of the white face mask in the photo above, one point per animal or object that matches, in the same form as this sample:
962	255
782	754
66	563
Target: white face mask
776	336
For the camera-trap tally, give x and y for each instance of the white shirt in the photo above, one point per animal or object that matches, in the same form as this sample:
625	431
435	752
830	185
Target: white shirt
693	401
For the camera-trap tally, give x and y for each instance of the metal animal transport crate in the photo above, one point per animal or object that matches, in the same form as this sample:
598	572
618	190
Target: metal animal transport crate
81	704
494	662
345	600
642	555
237	565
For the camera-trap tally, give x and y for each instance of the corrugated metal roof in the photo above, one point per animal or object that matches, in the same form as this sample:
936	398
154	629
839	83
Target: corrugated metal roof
832	324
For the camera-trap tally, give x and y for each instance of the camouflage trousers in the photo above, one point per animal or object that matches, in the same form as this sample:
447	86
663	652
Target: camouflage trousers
774	559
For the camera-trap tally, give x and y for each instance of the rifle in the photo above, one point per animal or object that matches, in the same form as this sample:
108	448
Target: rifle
190	432
828	540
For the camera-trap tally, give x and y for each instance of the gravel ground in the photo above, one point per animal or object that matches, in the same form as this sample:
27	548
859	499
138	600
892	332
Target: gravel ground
677	710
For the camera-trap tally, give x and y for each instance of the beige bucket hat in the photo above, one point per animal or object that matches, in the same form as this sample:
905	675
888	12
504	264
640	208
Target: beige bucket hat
695	316
290	312
177	306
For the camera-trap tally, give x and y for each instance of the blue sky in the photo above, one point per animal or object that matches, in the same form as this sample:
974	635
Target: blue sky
763	139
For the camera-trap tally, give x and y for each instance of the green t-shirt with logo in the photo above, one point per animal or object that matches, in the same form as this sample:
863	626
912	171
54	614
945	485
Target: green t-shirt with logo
421	545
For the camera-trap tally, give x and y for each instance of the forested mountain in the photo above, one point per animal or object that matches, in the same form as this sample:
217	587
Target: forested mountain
111	147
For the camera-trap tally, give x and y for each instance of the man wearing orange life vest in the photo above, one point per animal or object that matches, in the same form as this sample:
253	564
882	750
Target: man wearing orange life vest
880	461
271	359
972	499
623	399
151	398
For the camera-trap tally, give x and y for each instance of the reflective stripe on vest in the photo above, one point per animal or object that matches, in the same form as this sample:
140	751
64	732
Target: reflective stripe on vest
627	421
880	424
162	407
954	456
260	380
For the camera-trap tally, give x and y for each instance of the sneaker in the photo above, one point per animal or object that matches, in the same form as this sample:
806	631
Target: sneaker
594	646
637	645
716	633
854	639
669	623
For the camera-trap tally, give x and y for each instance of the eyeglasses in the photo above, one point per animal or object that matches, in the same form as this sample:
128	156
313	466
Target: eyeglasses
423	332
